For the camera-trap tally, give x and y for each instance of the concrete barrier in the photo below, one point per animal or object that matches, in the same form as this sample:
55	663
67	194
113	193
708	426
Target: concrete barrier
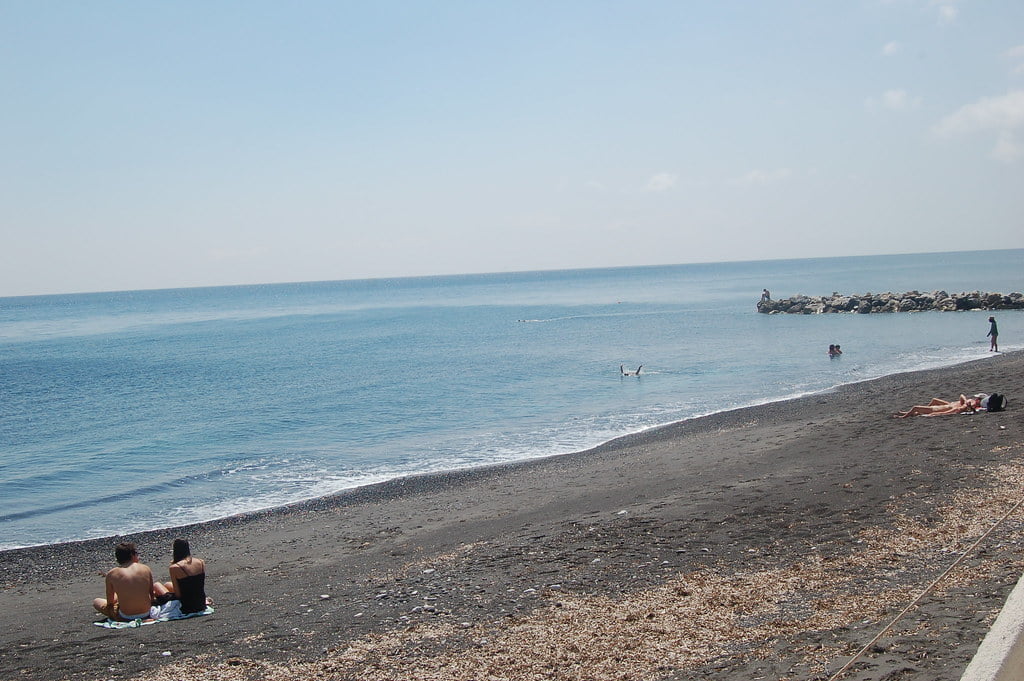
1000	656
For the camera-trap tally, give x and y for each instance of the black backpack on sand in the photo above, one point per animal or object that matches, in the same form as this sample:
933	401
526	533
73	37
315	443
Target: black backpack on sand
996	402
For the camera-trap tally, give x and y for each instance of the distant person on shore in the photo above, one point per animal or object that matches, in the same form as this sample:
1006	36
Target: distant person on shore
993	332
939	407
131	590
765	296
188	578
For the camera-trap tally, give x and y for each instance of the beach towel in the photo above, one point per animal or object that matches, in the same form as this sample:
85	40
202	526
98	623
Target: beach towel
167	616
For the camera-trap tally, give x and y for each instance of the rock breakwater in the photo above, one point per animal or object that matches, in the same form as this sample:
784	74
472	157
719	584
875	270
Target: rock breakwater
911	301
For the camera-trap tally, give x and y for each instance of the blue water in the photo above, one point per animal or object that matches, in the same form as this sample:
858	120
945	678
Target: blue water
137	410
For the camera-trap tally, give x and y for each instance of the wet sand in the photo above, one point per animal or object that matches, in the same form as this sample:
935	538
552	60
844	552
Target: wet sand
771	542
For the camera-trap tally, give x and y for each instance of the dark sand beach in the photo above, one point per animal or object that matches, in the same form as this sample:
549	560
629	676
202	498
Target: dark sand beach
772	542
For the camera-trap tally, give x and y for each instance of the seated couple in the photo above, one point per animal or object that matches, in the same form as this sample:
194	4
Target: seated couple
133	594
939	407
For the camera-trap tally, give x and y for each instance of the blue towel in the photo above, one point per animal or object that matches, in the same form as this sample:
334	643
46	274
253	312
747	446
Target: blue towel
174	614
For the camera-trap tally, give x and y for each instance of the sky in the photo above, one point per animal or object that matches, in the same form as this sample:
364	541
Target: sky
153	144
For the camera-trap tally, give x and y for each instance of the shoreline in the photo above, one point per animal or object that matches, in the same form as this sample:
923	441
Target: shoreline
636	530
357	491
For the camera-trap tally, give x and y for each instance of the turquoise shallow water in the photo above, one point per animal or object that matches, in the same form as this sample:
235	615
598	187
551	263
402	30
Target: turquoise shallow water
136	410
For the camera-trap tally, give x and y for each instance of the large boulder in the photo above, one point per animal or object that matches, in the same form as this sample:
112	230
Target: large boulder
967	303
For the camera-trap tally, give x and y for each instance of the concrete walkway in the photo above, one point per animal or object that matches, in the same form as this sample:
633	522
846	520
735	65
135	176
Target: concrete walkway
1000	656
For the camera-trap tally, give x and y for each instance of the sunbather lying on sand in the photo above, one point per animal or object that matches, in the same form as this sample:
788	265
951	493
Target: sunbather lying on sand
939	407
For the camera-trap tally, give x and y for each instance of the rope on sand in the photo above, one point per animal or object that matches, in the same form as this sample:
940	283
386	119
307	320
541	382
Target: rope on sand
921	596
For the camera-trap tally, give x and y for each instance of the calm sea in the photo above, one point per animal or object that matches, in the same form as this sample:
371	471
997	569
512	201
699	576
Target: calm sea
129	411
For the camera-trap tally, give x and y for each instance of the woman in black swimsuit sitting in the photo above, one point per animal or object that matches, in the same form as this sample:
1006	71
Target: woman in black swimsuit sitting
188	578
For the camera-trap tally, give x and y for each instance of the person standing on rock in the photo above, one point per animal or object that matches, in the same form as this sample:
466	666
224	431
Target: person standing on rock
993	332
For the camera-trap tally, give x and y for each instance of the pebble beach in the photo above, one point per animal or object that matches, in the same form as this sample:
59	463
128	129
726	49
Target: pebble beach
771	542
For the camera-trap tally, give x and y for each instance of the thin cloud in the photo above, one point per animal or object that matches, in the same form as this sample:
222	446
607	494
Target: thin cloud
763	177
948	11
1005	112
1016	54
661	182
891	48
1002	115
892	100
1007	148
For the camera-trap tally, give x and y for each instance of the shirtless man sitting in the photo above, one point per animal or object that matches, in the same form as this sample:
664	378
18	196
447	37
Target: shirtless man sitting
130	587
939	407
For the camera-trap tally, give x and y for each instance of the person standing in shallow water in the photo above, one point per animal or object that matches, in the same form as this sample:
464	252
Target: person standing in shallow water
993	332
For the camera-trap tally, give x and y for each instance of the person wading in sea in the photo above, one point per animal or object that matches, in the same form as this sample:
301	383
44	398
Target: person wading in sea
993	332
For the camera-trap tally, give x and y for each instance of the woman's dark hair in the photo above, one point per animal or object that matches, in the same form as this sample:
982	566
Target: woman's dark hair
180	550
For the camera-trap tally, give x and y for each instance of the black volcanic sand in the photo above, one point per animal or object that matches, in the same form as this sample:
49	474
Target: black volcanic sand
777	486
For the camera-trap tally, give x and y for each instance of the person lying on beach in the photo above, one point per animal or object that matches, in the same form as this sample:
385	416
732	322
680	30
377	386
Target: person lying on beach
188	578
131	590
939	407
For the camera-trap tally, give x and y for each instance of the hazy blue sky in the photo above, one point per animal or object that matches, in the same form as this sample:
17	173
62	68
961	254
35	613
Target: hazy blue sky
165	144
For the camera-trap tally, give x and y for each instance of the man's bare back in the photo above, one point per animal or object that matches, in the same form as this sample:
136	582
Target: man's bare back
130	587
